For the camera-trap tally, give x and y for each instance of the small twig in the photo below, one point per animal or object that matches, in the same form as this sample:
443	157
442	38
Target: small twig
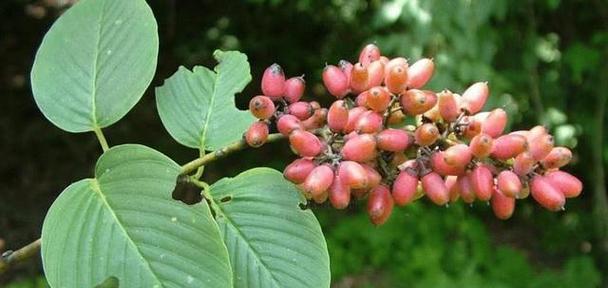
10	258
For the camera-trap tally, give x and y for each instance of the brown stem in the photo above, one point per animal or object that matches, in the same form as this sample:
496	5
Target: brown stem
10	258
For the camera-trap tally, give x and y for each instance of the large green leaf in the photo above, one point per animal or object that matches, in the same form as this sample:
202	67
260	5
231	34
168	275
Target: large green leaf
271	241
95	63
197	107
125	224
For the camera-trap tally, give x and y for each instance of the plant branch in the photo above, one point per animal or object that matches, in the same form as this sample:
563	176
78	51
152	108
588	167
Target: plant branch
10	258
236	146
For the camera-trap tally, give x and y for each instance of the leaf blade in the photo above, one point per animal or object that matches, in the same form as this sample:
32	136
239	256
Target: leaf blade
85	75
271	241
125	224
197	107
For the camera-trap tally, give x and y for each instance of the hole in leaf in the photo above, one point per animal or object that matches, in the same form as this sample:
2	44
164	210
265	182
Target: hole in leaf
187	193
226	199
303	206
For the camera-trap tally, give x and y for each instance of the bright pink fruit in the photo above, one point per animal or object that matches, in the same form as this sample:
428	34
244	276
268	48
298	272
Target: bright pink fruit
466	190
438	164
337	116
396	78
339	193
393	140
404	187
420	73
508	183
546	194
475	97
359	78
378	99
379	205
481	145
508	146
317	120
353	174
318	180
361	148
375	71
257	134
373	177
569	185
558	157
294	89
305	143
261	107
495	123
435	188
287	123
302	110
540	146
335	81
369	54
369	122
426	134
273	82
353	116
298	170
347	68
502	205
447	106
482	182
523	163
451	182
416	102
458	155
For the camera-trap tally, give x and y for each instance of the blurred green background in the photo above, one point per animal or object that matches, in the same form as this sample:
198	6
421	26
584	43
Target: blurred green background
546	62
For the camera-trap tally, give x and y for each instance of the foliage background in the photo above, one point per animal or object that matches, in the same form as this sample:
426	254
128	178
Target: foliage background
546	62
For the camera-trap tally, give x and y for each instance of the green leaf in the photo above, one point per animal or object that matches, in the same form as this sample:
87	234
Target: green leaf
197	107
95	63
125	224
272	242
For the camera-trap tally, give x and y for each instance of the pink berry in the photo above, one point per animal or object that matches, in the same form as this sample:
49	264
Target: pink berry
481	145
353	117
447	106
569	185
475	97
375	72
396	78
502	205
337	116
261	107
558	157
273	82
339	193
353	174
404	187
335	81
508	146
305	143
379	205
416	102
508	183
458	155
302	110
378	99
482	182
435	188
294	89
420	73
426	134
257	134
287	123
394	140
495	123
523	163
547	195
369	54
318	180
359	78
369	122
361	148
298	170
466	190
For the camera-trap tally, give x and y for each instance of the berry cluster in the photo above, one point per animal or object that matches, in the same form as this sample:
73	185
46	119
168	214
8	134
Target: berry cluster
362	147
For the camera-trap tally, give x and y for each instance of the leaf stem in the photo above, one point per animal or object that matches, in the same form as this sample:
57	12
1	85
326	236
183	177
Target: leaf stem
236	146
102	139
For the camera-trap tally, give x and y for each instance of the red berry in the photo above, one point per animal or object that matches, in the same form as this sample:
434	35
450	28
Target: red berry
318	180
257	134
373	177
375	72
447	106
495	123
337	116
523	163
394	140
451	182
359	78
508	183
546	194
508	146
335	81
353	174
404	187
502	205
361	99
379	205
294	89
361	148
273	82
540	146
416	102
302	110
317	120
466	190
353	116
287	123
438	164
396	79
369	122
426	134
475	97
420	73
298	170
558	157
305	143
482	182
458	155
369	54
339	193
435	188
261	107
347	68
481	145
569	185
378	99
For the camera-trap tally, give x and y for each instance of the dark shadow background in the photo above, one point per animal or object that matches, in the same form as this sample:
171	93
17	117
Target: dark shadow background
546	61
